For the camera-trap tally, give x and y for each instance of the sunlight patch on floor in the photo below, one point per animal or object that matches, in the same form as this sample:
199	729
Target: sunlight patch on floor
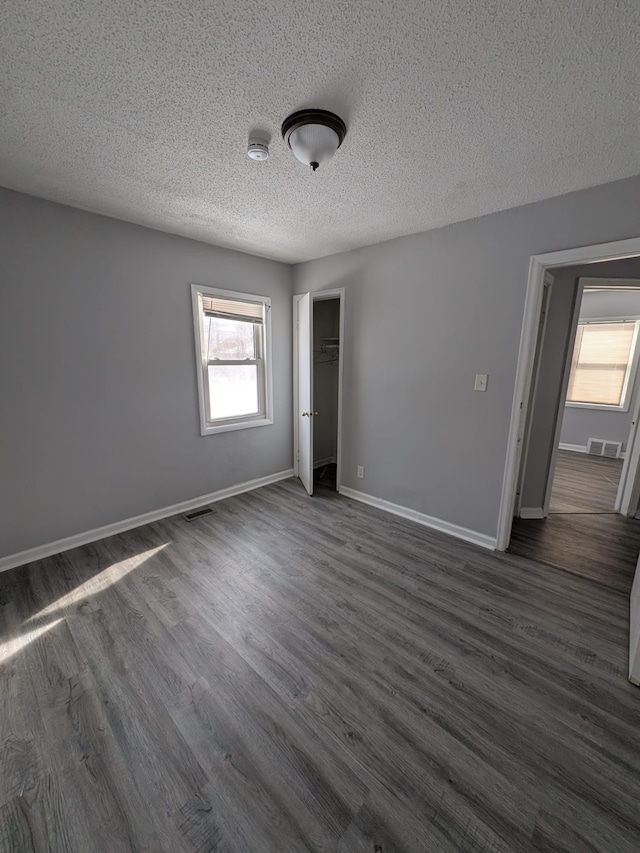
103	580
11	647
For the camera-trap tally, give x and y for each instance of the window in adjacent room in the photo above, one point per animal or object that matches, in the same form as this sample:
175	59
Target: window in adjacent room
233	350
603	364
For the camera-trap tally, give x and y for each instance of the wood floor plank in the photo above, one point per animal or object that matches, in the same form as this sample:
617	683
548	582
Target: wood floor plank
293	674
138	717
21	727
603	548
379	828
42	819
584	483
292	749
199	826
315	655
527	635
15	833
85	752
582	533
243	783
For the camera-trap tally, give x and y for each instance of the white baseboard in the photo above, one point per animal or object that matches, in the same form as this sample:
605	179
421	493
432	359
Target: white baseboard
473	536
531	512
574	448
580	448
328	460
51	548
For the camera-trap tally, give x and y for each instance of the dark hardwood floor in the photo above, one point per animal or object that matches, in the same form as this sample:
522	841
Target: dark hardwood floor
603	548
582	533
312	674
583	483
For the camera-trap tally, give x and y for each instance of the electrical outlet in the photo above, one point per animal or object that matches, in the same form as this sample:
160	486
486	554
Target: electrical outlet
361	471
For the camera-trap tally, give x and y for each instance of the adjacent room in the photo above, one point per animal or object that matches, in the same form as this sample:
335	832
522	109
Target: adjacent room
580	486
315	319
601	400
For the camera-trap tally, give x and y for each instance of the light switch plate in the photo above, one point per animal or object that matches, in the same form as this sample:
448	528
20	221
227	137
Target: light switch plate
481	382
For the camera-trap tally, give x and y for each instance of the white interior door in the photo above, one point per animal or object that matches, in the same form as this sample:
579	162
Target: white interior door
564	390
629	488
525	438
634	633
625	486
304	396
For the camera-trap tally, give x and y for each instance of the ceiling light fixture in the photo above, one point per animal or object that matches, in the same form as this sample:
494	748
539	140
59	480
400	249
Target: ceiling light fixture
314	136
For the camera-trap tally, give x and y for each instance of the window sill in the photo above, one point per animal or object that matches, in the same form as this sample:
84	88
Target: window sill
597	407
210	429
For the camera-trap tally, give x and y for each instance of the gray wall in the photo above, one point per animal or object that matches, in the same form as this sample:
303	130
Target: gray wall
578	425
326	324
98	384
423	314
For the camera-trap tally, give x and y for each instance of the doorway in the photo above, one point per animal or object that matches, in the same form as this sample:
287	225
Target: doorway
597	422
326	363
528	359
318	368
576	523
584	401
528	365
577	487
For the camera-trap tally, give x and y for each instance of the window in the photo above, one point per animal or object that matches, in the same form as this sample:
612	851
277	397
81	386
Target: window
232	332
602	364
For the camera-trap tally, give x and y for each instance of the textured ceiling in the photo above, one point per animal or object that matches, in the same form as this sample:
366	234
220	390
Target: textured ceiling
455	108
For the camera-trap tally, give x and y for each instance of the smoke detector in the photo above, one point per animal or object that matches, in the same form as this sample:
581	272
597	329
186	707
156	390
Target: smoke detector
258	149
314	136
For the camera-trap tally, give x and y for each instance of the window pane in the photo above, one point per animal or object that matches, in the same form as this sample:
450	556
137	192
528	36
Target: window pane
600	363
233	390
229	339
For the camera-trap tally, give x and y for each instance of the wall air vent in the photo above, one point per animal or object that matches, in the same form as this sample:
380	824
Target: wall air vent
601	447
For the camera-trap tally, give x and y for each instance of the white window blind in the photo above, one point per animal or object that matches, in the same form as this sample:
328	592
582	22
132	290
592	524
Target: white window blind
601	363
232	309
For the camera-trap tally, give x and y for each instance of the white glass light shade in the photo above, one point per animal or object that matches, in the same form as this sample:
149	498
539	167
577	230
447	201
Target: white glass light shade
314	143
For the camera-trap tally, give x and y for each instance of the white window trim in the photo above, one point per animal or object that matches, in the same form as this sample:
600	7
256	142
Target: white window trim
244	421
627	390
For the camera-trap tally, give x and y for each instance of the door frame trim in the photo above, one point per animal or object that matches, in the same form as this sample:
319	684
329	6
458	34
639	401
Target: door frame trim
316	296
294	413
538	265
